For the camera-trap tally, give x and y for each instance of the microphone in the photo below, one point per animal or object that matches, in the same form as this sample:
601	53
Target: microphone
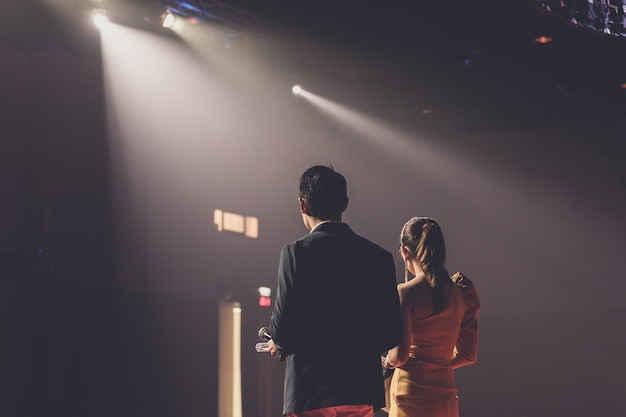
264	334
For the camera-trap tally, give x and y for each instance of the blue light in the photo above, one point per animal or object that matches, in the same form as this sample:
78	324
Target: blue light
185	9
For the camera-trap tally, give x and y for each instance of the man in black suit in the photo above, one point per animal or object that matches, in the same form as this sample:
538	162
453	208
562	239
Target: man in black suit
337	309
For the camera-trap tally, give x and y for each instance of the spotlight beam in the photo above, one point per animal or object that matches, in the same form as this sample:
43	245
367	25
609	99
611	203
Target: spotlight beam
443	167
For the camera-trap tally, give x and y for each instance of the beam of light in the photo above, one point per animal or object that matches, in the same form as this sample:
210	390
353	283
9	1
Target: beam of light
173	119
437	165
381	134
412	151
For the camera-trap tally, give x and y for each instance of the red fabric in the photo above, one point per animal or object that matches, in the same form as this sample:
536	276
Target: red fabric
338	411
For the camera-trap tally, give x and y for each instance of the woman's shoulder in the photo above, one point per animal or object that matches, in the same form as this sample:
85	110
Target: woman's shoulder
413	287
416	296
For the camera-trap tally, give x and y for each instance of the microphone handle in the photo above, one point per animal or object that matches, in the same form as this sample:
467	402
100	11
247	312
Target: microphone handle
262	347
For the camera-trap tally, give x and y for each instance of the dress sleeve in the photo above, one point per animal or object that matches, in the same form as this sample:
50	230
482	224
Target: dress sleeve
466	350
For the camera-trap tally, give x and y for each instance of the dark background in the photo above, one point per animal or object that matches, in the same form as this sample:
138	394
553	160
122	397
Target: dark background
116	148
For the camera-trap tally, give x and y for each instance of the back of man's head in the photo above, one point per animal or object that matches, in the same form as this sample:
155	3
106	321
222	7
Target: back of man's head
324	191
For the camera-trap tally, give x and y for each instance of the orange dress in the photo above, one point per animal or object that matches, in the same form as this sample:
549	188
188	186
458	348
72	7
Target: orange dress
424	386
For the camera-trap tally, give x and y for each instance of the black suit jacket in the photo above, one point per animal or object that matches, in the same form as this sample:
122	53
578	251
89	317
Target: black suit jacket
336	311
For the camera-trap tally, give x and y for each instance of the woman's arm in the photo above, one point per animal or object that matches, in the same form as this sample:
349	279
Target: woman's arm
399	355
466	349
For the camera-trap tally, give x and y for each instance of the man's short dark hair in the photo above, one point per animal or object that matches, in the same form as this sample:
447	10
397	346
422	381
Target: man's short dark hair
324	191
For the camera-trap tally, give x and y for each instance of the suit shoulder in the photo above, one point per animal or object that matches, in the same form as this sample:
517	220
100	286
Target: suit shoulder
374	247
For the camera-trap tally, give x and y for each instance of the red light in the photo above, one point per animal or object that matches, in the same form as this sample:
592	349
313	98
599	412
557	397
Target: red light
543	39
265	301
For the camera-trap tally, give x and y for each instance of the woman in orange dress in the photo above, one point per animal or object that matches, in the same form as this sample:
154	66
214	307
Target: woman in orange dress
440	327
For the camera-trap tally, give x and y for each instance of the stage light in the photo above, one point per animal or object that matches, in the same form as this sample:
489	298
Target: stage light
99	18
543	39
168	20
296	90
172	22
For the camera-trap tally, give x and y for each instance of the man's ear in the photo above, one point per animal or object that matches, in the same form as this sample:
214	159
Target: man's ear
303	208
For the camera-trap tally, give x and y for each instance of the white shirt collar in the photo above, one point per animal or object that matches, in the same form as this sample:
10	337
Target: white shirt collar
320	223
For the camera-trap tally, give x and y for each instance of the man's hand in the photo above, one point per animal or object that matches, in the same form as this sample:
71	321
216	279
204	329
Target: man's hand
273	349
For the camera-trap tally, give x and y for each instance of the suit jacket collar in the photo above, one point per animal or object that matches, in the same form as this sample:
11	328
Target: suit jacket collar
332	227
